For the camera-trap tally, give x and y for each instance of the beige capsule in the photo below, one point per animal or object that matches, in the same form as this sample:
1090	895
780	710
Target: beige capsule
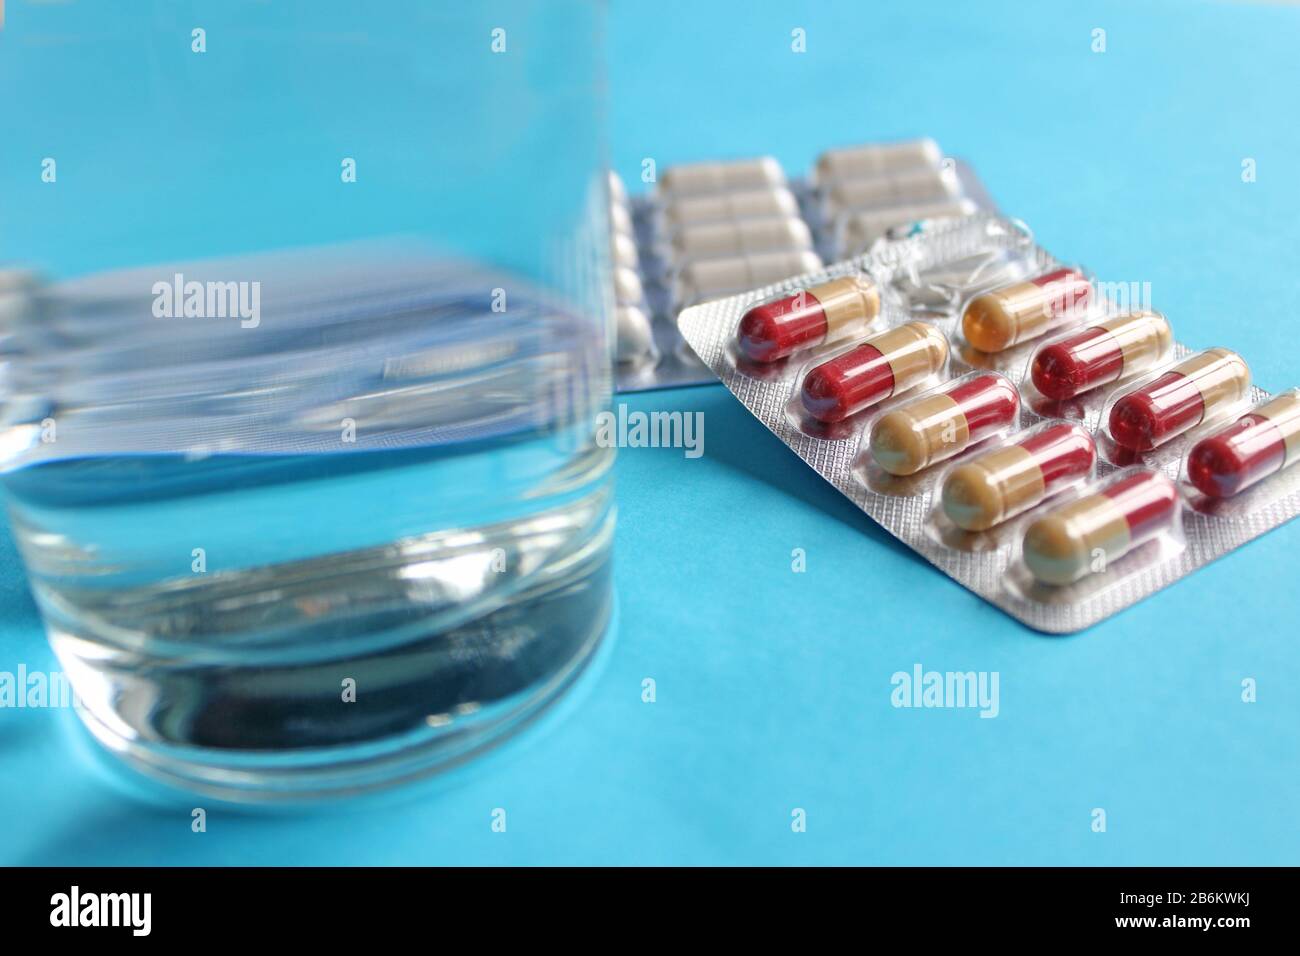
924	185
724	207
716	240
856	162
714	278
700	178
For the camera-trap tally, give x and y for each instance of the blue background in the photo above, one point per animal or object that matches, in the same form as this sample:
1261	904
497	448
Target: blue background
774	687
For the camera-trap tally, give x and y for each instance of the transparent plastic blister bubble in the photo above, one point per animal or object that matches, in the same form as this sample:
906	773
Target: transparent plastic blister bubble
1245	465
709	230
1068	371
1097	541
962	473
1174	404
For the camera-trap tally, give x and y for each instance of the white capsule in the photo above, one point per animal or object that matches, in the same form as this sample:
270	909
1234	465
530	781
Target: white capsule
716	240
18	280
627	286
620	220
617	191
700	178
911	187
728	207
635	338
17	287
856	162
714	278
857	231
623	248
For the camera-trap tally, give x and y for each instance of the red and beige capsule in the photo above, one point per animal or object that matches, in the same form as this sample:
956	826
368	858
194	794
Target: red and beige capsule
1005	482
1256	445
1087	535
822	313
936	427
1193	390
886	364
1101	354
995	321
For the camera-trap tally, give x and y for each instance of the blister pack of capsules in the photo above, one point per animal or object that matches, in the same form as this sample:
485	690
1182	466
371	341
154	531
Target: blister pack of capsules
1038	435
710	230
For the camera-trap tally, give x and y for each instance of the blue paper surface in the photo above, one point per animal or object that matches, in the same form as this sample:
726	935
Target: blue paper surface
774	687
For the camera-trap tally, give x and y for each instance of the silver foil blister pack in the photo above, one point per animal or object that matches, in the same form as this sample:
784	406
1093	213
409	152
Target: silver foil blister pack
708	230
928	281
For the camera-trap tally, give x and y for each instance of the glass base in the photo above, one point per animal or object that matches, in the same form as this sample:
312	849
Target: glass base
277	722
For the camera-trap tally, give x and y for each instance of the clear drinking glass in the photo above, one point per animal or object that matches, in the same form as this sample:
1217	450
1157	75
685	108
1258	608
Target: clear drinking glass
304	335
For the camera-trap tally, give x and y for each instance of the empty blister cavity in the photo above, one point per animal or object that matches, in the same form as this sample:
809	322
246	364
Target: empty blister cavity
855	233
939	288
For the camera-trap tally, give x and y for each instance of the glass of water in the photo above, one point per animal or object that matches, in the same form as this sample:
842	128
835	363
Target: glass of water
303	332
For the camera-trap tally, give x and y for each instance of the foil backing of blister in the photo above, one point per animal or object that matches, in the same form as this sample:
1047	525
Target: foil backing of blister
674	364
987	564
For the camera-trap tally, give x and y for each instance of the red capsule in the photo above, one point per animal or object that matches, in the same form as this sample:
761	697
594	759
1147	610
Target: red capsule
886	364
1086	535
823	313
1101	354
1179	399
1249	450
